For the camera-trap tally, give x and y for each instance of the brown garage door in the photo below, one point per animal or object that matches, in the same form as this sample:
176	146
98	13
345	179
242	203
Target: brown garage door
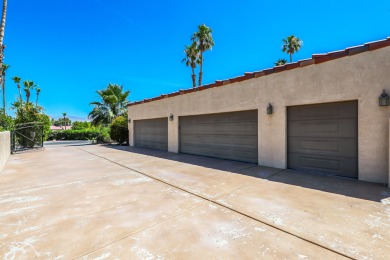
227	135
151	133
324	138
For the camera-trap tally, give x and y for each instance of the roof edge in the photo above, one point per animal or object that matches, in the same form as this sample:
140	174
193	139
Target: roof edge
315	59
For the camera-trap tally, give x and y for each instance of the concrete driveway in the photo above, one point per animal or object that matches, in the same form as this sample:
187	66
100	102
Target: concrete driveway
98	202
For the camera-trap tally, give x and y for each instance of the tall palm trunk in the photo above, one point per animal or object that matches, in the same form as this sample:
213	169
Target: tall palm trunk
2	27
201	68
193	78
36	102
27	96
20	93
4	101
290	57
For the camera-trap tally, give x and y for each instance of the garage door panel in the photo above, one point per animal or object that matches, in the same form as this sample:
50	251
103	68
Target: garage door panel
224	142
220	128
346	167
324	137
328	110
346	147
226	135
151	133
326	128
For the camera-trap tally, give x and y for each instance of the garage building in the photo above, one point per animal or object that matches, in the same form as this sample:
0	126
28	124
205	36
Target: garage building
325	116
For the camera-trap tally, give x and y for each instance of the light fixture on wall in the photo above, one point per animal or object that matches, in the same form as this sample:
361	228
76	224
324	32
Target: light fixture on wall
384	99
129	120
269	109
171	117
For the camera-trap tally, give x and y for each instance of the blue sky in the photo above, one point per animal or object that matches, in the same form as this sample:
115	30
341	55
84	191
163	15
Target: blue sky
73	48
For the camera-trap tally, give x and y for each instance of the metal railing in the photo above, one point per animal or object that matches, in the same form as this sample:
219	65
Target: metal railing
27	136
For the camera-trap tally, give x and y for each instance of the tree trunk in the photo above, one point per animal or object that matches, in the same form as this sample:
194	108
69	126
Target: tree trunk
36	103
290	57
201	69
4	101
193	78
2	27
20	93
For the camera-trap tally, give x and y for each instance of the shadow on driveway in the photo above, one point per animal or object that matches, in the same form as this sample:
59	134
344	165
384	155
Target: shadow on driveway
332	184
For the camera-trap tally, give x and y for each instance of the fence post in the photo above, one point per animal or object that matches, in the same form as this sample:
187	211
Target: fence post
42	136
12	141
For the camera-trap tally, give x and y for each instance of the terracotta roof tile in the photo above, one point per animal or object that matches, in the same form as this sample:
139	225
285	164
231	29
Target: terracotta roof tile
357	49
316	59
307	62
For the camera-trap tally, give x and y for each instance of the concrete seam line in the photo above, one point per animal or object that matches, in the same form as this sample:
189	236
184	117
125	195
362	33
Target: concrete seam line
145	228
268	178
224	206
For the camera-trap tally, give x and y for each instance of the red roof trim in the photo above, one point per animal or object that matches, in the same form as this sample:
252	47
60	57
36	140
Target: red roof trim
316	59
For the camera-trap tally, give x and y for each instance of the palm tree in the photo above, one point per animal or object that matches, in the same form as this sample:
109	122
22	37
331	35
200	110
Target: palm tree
101	114
204	41
28	85
38	92
2	28
191	59
64	115
5	67
113	104
291	45
17	80
280	62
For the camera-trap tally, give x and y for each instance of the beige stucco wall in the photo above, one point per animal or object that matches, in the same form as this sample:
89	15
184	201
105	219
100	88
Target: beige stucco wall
5	148
360	77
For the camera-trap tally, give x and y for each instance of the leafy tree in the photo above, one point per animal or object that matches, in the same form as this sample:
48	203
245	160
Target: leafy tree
17	80
28	112
113	104
81	125
6	122
191	59
119	131
62	122
291	45
5	67
204	41
280	62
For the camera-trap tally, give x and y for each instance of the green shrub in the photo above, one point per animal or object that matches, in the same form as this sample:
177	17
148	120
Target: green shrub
100	135
104	136
119	130
6	122
74	135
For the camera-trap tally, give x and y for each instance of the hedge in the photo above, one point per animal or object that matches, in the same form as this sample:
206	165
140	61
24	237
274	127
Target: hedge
99	135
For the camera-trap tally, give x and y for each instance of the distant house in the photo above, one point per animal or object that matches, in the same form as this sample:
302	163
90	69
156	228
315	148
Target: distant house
60	128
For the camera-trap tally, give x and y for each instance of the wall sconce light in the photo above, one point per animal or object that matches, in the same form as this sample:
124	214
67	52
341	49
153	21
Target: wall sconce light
129	120
384	99
171	117
269	109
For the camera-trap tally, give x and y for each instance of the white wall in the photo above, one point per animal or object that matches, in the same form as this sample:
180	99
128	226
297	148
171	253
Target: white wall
5	148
